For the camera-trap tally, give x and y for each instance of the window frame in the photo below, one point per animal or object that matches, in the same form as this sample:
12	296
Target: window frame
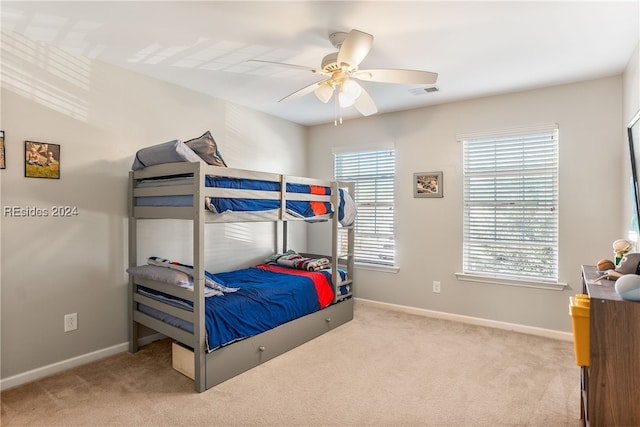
523	174
369	201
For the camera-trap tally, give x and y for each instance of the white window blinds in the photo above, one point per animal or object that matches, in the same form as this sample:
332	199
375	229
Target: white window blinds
373	173
511	205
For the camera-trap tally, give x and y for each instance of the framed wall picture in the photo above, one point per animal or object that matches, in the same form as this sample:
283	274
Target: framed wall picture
41	160
427	184
2	161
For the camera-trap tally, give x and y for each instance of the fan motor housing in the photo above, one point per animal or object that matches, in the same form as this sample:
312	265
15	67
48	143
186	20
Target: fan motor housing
330	62
337	38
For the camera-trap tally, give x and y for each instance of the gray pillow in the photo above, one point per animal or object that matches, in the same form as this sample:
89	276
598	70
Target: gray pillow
170	276
205	146
161	274
168	152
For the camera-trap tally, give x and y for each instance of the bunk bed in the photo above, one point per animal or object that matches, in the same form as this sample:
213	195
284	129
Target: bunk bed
204	194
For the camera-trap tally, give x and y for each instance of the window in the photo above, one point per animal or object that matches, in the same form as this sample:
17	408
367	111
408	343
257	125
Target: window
373	173
511	206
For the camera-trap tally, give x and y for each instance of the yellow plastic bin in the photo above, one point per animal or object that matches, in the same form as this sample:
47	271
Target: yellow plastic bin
579	311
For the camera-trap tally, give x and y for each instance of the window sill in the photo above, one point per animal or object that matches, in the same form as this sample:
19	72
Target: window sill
511	282
374	267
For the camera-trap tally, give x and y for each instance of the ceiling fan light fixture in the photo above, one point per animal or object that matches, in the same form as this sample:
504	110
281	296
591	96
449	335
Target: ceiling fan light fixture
324	92
349	92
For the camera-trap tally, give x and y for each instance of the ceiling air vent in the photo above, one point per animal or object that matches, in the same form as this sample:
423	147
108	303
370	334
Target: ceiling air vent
423	90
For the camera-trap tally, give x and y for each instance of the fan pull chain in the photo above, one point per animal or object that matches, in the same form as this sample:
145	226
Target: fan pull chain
336	110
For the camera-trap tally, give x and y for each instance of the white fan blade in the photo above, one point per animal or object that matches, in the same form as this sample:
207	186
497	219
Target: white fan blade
354	48
304	91
365	105
397	76
284	64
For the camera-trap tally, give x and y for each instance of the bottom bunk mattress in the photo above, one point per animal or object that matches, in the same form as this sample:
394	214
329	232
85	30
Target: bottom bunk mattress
267	296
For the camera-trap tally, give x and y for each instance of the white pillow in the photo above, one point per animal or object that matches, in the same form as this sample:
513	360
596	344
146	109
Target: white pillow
349	210
168	152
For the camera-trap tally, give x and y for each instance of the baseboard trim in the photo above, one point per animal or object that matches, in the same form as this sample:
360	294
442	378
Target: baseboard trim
531	330
54	368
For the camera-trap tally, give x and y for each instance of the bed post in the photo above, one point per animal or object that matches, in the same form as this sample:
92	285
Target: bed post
133	261
283	213
285	236
199	350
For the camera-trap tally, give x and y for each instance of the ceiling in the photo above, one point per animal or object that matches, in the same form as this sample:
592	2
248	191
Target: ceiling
478	48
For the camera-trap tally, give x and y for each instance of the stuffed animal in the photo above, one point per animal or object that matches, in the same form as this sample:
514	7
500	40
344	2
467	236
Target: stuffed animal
618	267
627	276
620	248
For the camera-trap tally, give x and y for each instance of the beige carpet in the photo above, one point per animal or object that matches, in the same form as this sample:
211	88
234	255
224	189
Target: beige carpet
382	369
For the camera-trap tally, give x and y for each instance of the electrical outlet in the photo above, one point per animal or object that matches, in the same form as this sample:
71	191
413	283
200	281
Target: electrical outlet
436	286
70	322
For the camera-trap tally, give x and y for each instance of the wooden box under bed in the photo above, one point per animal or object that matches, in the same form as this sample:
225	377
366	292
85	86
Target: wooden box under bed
228	361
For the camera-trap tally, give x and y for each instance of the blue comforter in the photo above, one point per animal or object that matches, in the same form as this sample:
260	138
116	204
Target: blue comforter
266	299
302	208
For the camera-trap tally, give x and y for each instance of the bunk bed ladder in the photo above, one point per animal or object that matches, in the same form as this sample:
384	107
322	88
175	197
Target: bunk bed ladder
351	232
335	256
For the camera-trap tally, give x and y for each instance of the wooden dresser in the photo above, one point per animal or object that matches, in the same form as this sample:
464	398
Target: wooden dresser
611	383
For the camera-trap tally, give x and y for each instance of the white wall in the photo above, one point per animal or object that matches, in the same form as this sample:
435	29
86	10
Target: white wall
429	231
100	115
631	79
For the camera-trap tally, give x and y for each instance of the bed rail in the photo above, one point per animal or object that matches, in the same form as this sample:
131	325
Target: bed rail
162	327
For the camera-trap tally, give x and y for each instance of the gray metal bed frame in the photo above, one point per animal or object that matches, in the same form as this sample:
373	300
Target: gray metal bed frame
217	366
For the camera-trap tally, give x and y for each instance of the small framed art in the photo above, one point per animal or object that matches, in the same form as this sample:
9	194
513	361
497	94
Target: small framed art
2	161
41	160
427	184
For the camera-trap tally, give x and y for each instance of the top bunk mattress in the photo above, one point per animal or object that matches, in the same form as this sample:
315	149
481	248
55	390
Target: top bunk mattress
265	203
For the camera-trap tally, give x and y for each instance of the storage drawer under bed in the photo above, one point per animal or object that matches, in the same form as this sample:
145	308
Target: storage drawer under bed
253	351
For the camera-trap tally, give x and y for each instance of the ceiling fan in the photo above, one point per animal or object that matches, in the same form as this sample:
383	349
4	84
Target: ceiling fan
342	72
